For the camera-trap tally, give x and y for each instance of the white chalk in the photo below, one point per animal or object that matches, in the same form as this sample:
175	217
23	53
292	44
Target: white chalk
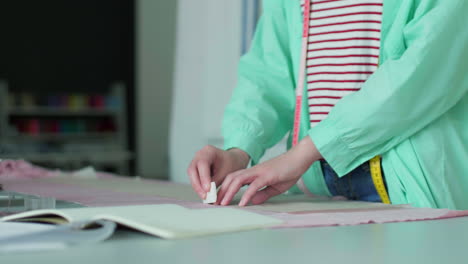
211	196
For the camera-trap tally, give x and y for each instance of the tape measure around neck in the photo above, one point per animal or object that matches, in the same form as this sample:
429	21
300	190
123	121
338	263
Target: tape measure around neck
300	87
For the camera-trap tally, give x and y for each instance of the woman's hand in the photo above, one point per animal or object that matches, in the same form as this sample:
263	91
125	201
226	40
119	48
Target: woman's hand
270	178
213	164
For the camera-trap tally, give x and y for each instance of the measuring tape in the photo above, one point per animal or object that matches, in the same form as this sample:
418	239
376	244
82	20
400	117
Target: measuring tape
376	171
377	178
300	87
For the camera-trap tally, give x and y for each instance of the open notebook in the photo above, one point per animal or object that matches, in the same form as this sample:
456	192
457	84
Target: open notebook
168	221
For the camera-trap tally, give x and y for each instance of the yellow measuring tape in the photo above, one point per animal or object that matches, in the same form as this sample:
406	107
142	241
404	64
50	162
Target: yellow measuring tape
376	173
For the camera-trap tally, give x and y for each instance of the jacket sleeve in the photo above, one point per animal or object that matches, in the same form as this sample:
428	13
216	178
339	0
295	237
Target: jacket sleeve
404	95
261	108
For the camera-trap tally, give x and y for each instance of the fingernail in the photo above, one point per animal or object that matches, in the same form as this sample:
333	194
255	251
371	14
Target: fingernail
223	202
207	187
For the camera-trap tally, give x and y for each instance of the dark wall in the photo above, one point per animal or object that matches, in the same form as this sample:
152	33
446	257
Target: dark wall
73	46
60	44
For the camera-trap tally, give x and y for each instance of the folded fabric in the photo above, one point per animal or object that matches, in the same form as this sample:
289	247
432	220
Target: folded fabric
21	169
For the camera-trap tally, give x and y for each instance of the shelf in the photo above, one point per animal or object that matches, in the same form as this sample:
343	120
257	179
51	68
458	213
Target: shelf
97	157
62	139
65	136
50	111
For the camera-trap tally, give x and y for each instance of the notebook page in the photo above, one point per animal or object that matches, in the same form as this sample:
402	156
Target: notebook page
174	221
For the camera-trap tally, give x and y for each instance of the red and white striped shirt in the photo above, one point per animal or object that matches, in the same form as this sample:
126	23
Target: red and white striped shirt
343	51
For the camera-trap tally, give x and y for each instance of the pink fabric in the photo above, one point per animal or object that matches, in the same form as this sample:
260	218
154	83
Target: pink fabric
363	217
15	176
86	196
99	197
20	169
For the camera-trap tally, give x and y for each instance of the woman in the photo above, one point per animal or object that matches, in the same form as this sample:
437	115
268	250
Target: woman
412	110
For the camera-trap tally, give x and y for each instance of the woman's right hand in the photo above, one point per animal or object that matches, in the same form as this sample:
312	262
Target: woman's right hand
214	164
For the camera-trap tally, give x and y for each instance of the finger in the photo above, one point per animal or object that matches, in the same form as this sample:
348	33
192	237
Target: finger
265	194
236	184
218	174
194	180
217	179
204	171
253	188
225	186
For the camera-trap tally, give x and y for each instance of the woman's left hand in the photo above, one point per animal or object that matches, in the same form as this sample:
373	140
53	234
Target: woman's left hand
270	178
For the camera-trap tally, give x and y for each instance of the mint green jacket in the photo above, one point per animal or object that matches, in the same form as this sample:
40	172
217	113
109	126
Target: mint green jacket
413	111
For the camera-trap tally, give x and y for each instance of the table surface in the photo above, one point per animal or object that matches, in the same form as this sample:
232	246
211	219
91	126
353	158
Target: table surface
439	241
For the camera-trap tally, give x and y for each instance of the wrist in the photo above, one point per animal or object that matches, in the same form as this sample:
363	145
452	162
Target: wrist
241	156
306	151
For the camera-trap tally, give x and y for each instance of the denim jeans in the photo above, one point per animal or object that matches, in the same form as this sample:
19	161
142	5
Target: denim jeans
356	185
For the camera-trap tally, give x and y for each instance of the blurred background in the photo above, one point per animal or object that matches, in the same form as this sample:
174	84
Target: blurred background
133	87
